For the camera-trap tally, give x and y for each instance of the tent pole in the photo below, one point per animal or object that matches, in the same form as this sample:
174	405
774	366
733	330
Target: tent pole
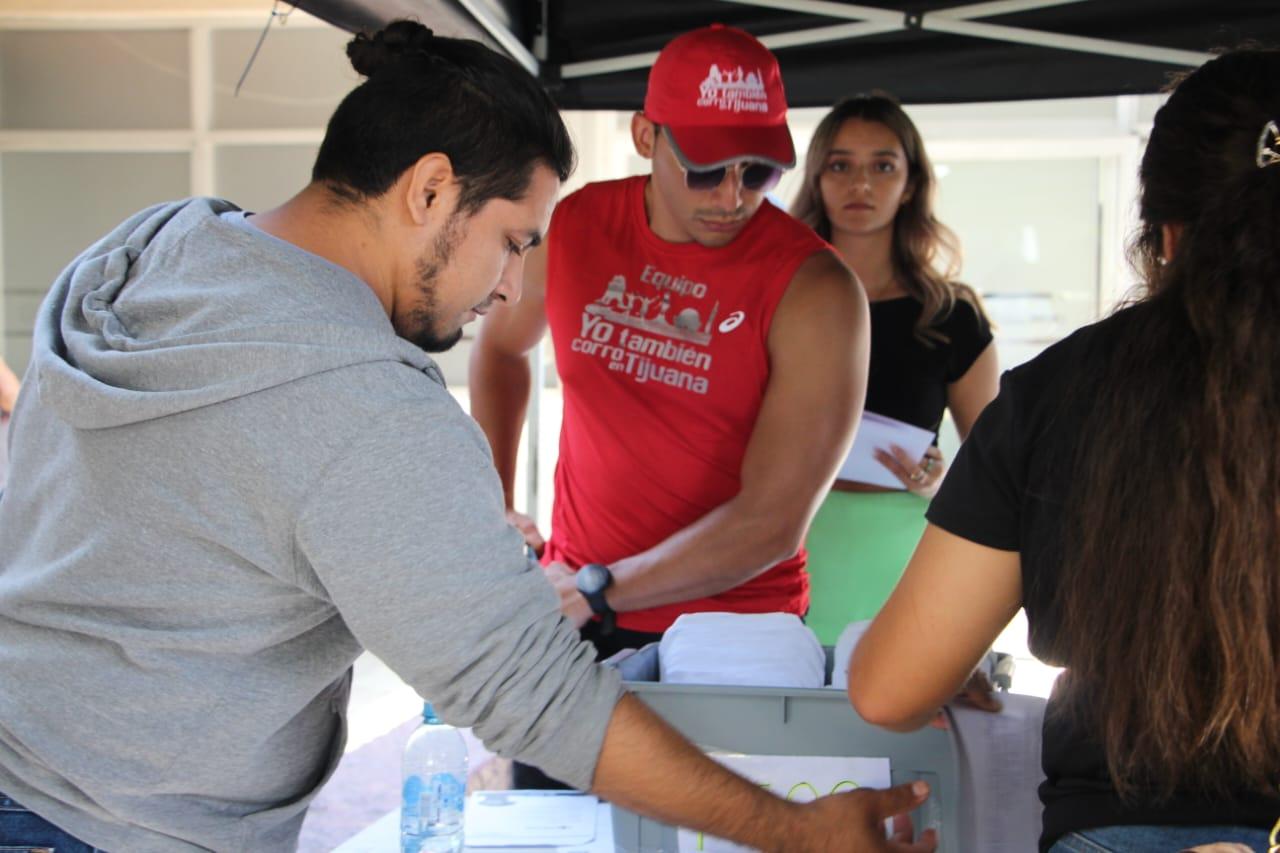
892	16
1000	7
957	20
942	22
875	21
817	35
830	9
501	34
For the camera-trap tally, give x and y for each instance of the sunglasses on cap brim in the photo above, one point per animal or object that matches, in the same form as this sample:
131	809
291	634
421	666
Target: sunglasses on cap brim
755	175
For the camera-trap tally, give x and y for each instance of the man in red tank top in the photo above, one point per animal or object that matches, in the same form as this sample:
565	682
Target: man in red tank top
713	353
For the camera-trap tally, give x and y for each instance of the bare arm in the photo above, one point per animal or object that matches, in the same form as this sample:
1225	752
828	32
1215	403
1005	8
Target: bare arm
499	373
969	395
647	767
953	600
818	351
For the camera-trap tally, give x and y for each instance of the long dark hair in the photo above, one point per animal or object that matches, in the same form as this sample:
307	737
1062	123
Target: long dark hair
926	253
1170	590
426	93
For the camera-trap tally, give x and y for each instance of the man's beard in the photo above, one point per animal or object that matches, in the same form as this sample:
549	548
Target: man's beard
423	318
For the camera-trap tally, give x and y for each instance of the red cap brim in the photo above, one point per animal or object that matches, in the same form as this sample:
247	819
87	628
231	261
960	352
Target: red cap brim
710	146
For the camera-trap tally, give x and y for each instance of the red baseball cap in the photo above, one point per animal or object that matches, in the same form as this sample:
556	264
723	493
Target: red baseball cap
718	91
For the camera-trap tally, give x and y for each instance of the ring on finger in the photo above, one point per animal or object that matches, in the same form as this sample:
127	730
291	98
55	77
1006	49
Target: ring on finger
917	476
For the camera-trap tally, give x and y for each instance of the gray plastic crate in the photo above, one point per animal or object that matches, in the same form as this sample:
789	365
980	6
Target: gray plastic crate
784	721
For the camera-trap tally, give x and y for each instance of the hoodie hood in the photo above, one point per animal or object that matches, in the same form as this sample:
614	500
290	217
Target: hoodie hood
185	305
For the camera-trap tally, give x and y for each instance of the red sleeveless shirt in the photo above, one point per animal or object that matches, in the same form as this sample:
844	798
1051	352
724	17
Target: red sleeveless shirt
661	349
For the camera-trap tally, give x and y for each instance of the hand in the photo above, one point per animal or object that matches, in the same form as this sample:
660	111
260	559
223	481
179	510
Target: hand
919	476
528	529
9	387
854	821
978	693
573	604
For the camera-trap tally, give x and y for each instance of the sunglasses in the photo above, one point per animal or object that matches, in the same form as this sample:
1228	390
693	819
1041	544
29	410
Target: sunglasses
756	177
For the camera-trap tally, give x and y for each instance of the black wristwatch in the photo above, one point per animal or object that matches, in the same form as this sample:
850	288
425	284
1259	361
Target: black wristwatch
593	579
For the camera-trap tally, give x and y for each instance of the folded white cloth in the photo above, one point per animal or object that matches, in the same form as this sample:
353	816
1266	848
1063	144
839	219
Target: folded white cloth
849	638
751	649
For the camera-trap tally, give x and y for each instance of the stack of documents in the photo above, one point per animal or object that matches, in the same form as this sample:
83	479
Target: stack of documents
530	819
1000	774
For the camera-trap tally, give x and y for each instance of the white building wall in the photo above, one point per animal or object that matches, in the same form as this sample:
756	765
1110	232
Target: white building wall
1040	193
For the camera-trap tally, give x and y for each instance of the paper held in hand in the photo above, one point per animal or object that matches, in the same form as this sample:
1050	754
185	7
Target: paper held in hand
878	432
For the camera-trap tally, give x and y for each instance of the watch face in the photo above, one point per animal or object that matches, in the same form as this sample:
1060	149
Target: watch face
592	578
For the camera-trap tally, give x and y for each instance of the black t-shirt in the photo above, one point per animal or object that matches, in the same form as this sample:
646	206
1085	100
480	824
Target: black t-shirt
908	379
1007	490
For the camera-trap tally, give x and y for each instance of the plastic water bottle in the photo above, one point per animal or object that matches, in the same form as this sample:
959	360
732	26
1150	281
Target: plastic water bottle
434	774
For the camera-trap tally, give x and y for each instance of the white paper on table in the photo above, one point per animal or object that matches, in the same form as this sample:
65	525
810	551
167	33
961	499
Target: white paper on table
529	818
1000	771
878	432
384	836
800	778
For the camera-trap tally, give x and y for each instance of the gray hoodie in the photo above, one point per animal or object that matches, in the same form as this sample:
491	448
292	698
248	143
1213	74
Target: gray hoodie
229	476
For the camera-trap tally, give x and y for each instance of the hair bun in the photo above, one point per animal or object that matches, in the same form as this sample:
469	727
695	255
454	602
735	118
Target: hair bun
370	53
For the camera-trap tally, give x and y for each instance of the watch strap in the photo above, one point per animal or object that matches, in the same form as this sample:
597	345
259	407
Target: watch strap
599	605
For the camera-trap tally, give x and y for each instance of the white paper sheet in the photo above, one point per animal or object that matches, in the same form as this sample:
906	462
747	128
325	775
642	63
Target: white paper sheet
877	432
384	837
530	818
1000	773
800	778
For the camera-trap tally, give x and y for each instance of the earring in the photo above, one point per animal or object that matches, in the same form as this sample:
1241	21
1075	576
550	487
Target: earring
1268	153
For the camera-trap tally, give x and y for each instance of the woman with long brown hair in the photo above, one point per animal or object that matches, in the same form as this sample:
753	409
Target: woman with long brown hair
1125	488
868	189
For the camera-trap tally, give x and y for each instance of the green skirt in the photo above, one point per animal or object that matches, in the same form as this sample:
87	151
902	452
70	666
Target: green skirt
859	543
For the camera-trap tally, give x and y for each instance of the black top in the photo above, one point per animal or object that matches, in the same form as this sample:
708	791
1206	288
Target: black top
908	379
1007	490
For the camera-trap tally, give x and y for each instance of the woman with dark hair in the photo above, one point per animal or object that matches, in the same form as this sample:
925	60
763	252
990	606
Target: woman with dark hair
868	189
1124	488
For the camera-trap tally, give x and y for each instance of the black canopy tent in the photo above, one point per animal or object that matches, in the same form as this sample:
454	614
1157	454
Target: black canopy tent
596	55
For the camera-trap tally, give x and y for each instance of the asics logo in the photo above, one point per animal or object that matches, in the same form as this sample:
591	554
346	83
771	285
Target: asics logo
733	321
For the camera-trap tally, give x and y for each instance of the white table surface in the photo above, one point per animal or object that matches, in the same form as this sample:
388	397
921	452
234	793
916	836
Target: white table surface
384	837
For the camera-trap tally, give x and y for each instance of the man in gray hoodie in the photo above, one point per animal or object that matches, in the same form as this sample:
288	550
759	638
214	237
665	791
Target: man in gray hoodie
236	467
